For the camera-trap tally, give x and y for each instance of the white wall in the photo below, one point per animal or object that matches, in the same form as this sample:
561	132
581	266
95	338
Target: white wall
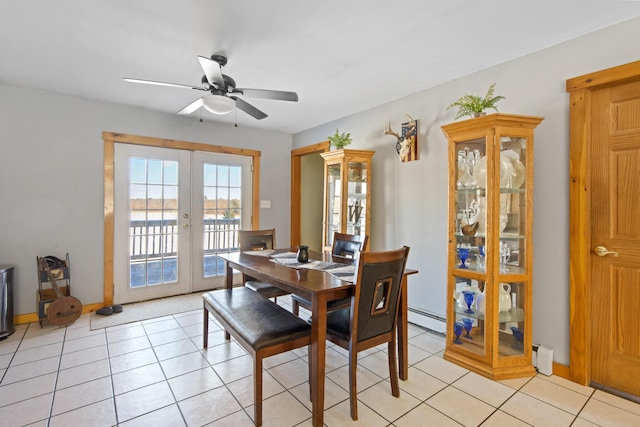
410	199
51	180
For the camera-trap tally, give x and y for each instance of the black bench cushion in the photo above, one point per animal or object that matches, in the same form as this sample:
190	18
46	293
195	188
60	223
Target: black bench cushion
256	320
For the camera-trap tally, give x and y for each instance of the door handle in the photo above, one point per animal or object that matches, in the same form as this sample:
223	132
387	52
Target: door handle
187	226
602	251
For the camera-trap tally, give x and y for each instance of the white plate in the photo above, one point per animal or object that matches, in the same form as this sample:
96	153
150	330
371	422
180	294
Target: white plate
507	171
520	173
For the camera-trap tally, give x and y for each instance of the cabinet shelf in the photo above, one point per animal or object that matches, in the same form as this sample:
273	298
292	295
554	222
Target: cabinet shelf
503	190
508	345
507	236
474	270
502	217
503	316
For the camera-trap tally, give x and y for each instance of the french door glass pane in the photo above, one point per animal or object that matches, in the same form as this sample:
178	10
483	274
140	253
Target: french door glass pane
153	230
222	212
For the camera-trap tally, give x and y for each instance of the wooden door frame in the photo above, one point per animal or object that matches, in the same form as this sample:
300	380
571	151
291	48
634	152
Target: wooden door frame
296	190
580	89
110	138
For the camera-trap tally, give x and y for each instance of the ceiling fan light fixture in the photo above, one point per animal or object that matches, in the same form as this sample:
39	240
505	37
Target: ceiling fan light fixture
218	104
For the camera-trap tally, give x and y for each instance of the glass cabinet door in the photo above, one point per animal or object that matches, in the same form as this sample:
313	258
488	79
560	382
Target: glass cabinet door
512	245
471	245
334	201
357	198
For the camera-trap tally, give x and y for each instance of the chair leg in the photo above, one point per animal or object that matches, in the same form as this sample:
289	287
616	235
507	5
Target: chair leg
353	386
393	368
205	329
309	368
257	389
295	308
310	360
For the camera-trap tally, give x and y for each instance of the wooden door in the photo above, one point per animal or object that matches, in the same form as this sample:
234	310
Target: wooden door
615	216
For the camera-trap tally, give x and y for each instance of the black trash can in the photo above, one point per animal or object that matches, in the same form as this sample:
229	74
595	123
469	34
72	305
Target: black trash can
6	301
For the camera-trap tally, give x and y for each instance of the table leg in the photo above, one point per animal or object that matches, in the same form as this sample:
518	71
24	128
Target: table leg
318	350
228	276
403	332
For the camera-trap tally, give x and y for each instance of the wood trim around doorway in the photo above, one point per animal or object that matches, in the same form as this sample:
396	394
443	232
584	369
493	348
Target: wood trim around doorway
110	138
580	90
296	191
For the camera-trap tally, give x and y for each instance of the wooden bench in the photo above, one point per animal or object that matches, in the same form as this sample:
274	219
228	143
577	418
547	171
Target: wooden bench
262	327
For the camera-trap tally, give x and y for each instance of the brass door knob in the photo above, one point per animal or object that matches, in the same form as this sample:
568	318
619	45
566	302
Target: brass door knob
602	251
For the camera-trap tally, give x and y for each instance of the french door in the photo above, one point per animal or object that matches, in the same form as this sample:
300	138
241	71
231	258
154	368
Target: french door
175	211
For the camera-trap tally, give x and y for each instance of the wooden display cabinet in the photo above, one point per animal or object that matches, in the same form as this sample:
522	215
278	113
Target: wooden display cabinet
347	193
490	244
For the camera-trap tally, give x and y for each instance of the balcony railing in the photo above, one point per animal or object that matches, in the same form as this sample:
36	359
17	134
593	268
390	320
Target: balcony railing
159	238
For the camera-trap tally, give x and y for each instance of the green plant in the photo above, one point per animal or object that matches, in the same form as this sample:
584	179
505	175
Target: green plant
340	140
472	105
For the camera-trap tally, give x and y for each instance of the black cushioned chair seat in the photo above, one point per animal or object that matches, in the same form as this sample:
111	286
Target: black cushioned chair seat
257	320
265	289
338	323
331	305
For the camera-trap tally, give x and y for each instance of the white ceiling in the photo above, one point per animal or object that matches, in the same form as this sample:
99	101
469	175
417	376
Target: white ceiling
340	56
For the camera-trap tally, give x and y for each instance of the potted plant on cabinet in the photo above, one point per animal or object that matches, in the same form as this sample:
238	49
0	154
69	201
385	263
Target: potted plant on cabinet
475	106
339	140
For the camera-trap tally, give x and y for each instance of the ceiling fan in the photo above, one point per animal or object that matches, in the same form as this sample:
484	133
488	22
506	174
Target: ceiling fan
224	94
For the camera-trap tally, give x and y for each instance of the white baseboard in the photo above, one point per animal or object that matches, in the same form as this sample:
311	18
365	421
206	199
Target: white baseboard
435	324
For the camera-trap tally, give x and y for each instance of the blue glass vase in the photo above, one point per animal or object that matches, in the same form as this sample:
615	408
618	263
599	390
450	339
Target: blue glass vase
467	324
463	254
457	330
468	299
519	336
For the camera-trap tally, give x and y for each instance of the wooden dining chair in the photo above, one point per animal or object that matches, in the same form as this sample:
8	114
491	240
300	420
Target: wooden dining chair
348	245
259	240
371	319
344	249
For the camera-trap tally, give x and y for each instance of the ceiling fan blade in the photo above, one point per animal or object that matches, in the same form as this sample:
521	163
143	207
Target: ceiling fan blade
248	108
157	83
212	71
191	107
268	94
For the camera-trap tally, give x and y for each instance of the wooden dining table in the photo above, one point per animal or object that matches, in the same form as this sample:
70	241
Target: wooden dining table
319	287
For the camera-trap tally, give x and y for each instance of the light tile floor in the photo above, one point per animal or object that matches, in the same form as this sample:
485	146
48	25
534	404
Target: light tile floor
154	373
